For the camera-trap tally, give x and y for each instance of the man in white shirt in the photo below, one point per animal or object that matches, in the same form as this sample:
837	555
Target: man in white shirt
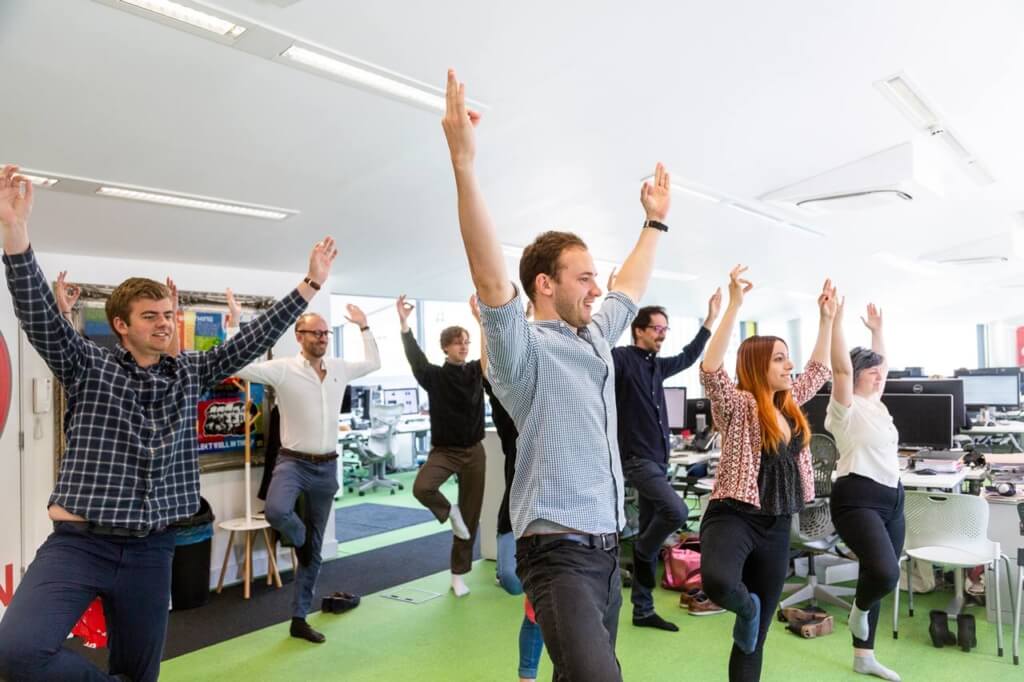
310	388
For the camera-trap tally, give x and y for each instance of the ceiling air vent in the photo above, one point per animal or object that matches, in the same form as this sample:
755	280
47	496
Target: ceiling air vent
854	201
975	260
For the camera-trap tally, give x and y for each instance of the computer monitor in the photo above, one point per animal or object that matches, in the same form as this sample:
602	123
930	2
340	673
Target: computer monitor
922	420
362	398
408	398
346	401
953	387
675	401
698	410
997	387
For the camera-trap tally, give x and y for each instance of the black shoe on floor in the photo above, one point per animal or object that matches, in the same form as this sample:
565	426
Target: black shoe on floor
339	602
301	629
966	636
939	629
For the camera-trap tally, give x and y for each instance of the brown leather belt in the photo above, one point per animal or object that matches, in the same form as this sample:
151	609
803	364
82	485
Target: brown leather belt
305	457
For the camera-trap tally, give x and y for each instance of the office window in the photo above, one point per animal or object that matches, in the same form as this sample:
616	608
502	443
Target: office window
383	320
437	315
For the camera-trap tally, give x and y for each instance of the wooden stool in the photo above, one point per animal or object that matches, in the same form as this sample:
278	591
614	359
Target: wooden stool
249	527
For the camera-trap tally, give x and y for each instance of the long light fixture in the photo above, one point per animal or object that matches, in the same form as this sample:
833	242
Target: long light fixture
351	73
39	180
190	16
778	221
202	204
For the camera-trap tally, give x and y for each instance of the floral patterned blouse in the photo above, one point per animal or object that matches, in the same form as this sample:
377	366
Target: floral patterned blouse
734	413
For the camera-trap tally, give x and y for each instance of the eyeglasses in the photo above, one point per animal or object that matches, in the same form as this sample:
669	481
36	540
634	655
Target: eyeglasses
658	328
316	334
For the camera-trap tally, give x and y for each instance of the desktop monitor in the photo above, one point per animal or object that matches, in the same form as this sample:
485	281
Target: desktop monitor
346	401
698	410
997	387
922	420
362	398
408	398
953	387
675	401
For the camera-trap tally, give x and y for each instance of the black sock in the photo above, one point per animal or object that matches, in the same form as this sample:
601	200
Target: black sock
655	621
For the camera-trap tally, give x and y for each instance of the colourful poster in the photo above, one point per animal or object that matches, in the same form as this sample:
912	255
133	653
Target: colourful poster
221	418
209	330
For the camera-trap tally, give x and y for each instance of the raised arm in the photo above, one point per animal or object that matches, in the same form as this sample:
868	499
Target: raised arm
475	309
175	346
636	271
842	368
66	295
826	313
714	354
873	321
422	369
486	261
371	356
61	347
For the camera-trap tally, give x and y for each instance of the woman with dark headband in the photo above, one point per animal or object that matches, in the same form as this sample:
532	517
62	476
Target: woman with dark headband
867	497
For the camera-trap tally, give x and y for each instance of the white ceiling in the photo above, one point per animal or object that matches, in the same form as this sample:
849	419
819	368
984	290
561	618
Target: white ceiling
742	96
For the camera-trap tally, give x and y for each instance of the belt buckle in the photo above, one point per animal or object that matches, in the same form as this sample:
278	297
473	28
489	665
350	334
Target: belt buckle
607	541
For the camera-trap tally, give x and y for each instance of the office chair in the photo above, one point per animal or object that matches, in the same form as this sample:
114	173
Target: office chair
380	448
812	530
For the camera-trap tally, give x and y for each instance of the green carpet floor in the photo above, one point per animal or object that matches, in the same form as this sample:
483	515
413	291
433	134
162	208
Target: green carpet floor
475	639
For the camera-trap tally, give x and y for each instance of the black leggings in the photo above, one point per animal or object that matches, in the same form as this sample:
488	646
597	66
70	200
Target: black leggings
869	519
740	554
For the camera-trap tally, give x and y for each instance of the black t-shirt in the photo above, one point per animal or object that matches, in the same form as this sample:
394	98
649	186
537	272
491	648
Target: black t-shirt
508	434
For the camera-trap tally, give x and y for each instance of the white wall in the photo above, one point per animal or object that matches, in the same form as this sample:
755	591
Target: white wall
224	490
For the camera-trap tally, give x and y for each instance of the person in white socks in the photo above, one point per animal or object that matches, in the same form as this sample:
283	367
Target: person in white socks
456	394
867	497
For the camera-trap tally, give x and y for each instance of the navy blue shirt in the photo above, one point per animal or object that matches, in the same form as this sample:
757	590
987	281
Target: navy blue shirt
640	396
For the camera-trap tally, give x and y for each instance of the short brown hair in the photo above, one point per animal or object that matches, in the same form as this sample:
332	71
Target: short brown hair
452	334
127	292
541	257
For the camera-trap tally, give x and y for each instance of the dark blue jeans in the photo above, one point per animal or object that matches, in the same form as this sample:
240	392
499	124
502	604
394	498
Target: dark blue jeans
662	512
73	567
576	593
319	480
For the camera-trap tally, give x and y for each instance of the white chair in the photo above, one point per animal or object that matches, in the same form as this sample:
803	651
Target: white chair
1020	590
380	448
814	534
950	530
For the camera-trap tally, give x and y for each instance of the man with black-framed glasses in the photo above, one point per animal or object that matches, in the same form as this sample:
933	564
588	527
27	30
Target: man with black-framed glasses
644	443
310	389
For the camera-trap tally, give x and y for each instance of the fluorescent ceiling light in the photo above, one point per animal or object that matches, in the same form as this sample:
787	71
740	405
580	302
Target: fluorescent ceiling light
190	16
700	194
975	260
904	95
202	204
40	180
779	221
365	78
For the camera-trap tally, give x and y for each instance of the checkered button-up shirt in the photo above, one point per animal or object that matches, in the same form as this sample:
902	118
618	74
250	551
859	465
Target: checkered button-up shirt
559	386
131	458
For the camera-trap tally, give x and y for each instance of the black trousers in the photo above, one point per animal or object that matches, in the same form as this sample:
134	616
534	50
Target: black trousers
869	519
662	512
743	554
576	594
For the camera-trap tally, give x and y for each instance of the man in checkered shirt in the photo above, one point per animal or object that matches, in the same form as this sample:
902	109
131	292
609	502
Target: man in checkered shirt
130	466
556	378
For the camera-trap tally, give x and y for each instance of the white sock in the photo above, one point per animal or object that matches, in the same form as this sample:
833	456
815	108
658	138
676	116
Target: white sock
459	586
858	622
459	528
867	665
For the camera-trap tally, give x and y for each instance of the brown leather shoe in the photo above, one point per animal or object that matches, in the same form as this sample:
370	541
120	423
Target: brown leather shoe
813	628
700	605
689	595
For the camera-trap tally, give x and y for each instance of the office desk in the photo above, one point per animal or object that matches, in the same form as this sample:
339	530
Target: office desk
949	482
1011	430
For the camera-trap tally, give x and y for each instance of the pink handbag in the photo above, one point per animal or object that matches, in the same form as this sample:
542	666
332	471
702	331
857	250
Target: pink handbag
682	565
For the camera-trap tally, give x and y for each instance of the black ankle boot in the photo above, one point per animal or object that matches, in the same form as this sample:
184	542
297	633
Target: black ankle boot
939	629
965	633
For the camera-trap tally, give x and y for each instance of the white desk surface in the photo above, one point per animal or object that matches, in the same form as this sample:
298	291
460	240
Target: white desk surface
941	481
1005	428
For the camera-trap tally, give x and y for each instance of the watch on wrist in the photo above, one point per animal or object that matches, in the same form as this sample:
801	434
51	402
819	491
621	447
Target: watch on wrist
656	225
310	282
363	329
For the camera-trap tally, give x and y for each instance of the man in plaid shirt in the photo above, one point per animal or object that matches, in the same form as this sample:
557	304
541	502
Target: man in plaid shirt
130	467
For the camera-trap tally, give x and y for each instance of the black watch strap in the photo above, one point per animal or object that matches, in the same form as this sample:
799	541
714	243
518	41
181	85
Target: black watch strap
363	329
656	225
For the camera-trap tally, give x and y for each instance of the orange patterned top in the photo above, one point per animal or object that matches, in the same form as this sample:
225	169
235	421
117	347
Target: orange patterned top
734	413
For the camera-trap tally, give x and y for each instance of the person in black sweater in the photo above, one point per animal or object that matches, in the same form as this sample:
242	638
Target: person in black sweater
644	443
456	438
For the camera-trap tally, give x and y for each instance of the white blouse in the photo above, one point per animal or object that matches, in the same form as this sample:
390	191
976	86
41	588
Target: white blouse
866	438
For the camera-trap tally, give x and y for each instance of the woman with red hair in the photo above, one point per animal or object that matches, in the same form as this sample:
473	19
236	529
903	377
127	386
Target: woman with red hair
765	473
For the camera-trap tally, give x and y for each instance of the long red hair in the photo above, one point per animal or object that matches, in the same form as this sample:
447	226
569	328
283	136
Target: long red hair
752	363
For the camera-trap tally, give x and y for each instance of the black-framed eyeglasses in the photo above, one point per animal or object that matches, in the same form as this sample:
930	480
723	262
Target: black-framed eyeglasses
316	334
658	328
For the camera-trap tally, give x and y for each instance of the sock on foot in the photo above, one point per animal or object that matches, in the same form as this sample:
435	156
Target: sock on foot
459	586
745	631
655	621
858	622
868	665
459	527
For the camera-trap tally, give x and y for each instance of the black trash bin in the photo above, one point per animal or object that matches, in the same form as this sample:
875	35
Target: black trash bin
190	569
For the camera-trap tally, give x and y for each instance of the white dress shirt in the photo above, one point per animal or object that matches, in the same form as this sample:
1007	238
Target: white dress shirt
310	407
867	440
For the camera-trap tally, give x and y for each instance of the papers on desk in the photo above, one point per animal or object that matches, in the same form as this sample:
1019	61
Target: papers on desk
938	461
